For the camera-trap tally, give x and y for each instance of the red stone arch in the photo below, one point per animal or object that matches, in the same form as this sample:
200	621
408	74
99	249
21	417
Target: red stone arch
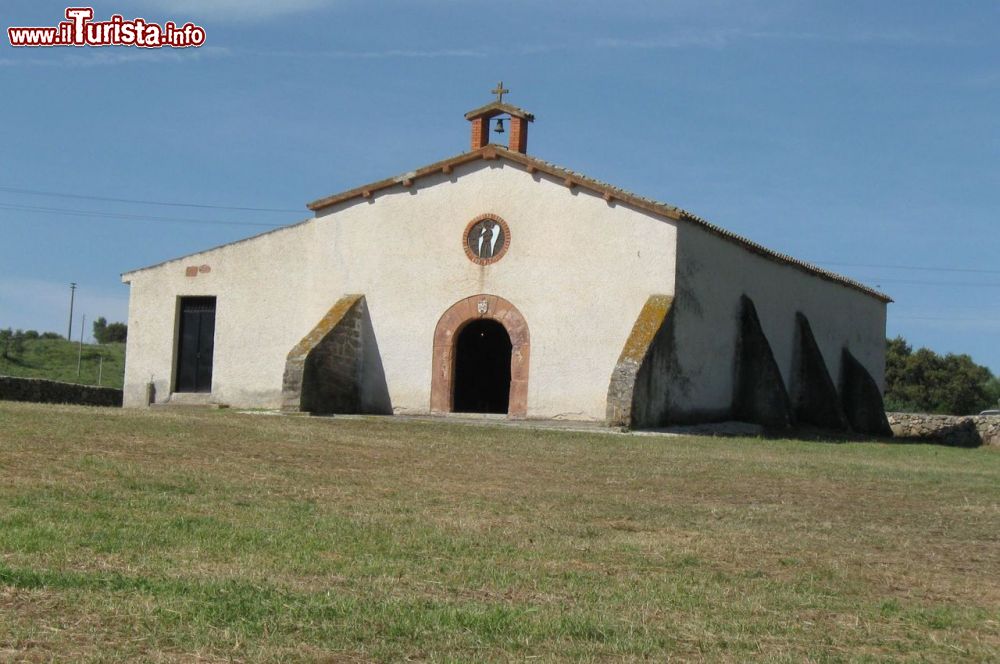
451	323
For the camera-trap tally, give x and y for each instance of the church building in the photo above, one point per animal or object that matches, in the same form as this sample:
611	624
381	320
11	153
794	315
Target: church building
495	282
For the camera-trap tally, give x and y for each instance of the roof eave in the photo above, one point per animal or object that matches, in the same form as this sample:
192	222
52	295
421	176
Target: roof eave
366	191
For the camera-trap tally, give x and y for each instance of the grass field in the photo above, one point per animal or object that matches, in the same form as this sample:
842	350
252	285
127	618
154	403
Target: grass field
57	359
222	536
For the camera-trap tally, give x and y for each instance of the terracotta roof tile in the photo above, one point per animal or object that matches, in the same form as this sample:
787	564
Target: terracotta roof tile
497	107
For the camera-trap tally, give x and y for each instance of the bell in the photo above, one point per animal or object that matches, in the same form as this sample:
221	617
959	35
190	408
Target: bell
499	128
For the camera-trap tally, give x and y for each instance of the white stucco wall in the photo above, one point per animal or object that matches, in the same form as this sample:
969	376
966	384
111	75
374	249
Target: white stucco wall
258	317
713	273
578	269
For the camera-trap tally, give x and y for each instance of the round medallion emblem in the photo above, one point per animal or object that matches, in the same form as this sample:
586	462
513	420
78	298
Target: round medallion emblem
486	239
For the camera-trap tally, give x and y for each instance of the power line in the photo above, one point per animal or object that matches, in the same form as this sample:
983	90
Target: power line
948	318
963	284
131	217
57	194
910	267
992	304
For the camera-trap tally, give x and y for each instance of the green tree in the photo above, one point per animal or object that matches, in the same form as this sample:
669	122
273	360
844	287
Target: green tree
100	326
116	332
16	347
6	335
993	391
106	333
924	381
899	392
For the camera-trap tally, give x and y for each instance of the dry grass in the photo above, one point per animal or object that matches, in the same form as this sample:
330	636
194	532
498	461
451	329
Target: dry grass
223	536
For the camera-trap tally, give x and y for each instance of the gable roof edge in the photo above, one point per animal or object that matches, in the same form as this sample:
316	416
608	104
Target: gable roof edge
609	192
126	276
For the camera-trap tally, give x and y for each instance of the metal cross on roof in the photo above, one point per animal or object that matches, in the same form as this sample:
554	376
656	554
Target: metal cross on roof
500	91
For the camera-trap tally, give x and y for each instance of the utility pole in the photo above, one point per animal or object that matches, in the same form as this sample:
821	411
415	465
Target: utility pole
100	369
79	356
72	293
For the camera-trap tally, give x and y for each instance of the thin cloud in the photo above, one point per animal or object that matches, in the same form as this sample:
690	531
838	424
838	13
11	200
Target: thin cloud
896	37
232	10
724	37
381	54
712	39
540	49
105	56
115	55
983	80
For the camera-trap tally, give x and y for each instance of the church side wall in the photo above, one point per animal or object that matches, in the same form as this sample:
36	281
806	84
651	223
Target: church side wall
259	285
712	275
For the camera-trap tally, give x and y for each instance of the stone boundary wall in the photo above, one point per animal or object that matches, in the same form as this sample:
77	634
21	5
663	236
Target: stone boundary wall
961	431
51	391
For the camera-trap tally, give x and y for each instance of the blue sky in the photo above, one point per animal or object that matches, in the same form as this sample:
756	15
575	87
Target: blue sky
863	136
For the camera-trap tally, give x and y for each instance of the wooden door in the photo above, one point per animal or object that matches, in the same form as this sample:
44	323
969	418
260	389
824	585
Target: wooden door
196	346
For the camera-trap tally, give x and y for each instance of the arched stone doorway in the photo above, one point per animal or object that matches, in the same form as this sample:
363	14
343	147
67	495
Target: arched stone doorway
457	345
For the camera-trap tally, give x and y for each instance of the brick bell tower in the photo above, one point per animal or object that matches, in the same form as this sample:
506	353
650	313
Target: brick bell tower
482	117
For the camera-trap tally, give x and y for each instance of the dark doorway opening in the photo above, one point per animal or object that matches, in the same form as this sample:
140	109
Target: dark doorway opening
196	345
482	368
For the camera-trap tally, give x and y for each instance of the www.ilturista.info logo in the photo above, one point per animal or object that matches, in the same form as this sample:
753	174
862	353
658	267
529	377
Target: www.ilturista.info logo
81	30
